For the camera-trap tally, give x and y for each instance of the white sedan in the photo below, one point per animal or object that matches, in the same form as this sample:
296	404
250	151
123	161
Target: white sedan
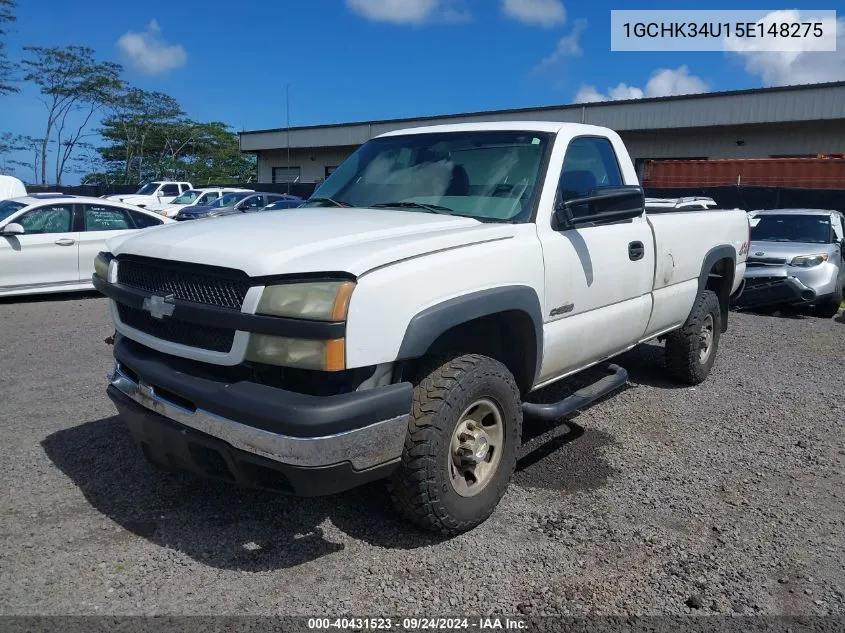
48	242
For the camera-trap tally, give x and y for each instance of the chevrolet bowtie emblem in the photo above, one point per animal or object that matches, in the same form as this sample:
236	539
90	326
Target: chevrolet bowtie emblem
160	307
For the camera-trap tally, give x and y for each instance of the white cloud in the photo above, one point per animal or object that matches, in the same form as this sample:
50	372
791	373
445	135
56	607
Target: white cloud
663	82
666	82
148	53
542	12
567	46
410	11
800	66
589	94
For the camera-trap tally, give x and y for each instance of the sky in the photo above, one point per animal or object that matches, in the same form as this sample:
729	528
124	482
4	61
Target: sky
352	60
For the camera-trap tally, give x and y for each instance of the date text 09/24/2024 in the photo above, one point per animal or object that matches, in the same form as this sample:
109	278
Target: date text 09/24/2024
417	624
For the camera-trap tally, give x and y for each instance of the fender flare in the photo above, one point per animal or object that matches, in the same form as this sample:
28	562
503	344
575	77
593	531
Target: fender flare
426	326
715	254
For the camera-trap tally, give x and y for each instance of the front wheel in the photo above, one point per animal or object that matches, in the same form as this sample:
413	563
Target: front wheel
691	350
830	307
460	451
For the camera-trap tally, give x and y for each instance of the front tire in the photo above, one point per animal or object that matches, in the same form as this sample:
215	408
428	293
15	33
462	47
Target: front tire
691	350
460	451
830	308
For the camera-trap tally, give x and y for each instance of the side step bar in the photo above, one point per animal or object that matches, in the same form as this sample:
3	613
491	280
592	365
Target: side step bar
616	378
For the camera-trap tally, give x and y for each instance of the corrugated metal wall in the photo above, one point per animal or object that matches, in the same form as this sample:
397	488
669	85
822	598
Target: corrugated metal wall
779	106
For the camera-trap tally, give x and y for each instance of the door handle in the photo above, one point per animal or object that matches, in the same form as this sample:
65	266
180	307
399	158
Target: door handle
636	251
65	241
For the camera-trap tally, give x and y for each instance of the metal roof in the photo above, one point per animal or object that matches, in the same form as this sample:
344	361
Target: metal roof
738	107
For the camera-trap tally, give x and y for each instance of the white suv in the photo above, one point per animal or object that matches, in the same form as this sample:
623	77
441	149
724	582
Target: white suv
158	192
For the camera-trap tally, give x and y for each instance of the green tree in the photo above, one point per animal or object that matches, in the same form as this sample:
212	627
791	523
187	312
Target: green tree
73	87
7	68
133	117
218	157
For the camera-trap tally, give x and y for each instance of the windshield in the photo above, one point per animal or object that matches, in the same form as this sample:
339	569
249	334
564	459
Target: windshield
490	176
8	207
814	229
188	197
228	200
147	190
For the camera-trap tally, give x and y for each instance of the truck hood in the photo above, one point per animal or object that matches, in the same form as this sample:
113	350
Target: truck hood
309	240
787	250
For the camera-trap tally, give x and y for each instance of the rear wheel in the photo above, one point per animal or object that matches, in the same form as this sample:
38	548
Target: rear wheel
460	451
691	350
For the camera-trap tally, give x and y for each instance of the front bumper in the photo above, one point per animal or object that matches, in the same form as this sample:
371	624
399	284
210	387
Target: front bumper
787	285
243	432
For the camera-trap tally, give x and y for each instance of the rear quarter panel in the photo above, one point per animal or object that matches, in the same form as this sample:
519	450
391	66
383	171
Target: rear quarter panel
683	241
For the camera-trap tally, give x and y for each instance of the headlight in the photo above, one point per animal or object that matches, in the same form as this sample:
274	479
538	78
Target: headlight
101	265
317	301
320	301
808	261
295	352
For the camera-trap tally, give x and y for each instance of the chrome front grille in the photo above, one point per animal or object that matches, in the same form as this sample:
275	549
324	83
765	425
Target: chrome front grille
213	339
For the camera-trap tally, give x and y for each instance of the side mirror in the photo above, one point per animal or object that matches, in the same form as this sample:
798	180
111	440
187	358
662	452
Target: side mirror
611	204
12	228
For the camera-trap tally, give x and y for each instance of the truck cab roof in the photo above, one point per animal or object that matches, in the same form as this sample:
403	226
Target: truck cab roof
516	126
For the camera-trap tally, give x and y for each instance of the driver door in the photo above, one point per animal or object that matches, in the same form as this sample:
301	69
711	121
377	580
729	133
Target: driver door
599	275
46	254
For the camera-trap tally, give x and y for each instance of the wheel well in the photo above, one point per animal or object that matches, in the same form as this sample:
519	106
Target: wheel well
508	337
720	280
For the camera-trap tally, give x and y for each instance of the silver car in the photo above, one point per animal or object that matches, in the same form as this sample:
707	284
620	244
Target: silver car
230	204
795	258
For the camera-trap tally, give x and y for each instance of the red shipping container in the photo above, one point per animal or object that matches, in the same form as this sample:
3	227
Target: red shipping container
805	173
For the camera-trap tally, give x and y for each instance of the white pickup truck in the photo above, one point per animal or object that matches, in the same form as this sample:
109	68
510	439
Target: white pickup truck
395	327
157	192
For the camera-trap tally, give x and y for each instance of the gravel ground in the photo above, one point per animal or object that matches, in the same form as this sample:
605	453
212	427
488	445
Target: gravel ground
726	498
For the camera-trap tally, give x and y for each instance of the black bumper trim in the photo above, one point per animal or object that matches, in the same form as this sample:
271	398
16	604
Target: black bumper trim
264	407
172	446
762	292
200	314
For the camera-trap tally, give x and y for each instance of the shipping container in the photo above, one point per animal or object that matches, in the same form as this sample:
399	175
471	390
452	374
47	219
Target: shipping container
826	172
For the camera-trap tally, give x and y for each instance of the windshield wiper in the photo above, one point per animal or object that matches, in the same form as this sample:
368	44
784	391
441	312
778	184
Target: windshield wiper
332	201
431	208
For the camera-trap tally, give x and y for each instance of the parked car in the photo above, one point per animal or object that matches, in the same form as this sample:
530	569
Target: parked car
11	187
395	325
795	259
194	197
153	193
287	201
48	241
231	204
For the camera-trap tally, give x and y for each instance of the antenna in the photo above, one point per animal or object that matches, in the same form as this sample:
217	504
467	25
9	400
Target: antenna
287	108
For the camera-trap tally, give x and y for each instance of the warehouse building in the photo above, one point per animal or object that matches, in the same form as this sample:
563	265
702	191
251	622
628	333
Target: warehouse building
792	121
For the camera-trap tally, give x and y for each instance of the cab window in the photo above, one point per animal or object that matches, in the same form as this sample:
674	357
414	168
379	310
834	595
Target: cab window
589	164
